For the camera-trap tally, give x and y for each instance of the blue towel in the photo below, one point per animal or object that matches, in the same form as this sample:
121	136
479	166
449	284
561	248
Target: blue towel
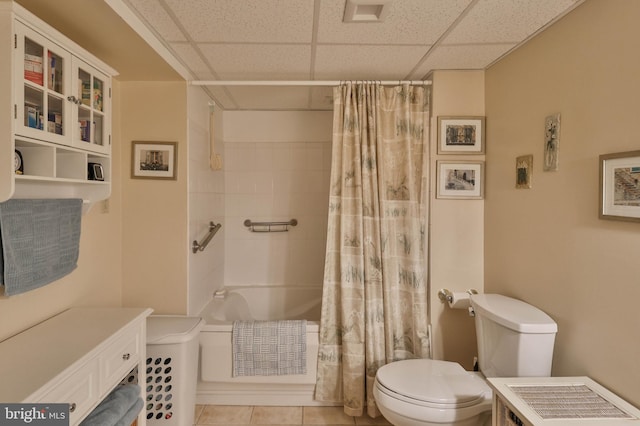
132	414
40	242
116	407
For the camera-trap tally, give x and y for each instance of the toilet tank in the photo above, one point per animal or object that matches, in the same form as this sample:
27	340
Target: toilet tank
515	339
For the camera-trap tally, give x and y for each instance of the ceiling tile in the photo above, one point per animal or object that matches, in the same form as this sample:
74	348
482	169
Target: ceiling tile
474	57
307	39
190	58
258	61
276	21
491	21
344	62
158	18
407	22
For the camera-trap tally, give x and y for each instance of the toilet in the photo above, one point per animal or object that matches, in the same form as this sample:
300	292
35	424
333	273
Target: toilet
515	339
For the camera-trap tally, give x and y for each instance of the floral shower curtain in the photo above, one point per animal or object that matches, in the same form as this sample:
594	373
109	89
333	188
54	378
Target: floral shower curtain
374	308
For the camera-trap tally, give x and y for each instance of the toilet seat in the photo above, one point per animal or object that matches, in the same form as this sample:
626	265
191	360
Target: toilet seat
428	391
432	383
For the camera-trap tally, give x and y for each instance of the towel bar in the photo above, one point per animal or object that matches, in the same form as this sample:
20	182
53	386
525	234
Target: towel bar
200	246
269	226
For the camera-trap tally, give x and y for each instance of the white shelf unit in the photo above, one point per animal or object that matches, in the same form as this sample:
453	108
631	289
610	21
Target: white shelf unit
60	171
58	115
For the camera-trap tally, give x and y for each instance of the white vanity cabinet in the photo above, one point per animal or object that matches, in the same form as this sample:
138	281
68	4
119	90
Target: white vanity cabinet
76	357
55	113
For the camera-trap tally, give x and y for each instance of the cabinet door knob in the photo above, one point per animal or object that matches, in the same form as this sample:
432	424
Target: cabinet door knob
73	99
72	407
126	357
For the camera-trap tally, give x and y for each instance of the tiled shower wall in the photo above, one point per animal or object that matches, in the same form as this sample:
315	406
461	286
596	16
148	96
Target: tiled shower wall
206	203
277	167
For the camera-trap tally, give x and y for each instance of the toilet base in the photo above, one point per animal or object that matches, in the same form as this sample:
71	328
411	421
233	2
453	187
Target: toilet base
397	419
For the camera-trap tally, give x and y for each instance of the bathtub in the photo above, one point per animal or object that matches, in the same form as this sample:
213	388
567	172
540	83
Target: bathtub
216	384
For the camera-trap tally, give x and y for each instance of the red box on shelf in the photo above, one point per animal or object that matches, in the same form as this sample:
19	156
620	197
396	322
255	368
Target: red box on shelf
33	69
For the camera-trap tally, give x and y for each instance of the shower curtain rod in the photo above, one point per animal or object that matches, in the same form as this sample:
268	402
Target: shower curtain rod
301	82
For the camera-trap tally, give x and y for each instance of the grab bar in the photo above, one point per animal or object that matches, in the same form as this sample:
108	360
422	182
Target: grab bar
200	246
269	226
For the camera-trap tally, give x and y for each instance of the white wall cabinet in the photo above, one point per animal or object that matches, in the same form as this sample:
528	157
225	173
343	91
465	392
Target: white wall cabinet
76	357
56	114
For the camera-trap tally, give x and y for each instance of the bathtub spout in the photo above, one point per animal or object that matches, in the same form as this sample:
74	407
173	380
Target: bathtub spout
220	294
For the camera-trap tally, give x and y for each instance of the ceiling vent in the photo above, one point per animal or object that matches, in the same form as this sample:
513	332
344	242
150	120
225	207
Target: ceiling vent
366	10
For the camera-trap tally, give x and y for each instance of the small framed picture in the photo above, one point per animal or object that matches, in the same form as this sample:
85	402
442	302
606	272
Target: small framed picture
620	186
524	169
551	142
460	135
154	160
463	180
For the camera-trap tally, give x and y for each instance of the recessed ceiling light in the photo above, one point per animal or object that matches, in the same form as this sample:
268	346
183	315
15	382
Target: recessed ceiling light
365	10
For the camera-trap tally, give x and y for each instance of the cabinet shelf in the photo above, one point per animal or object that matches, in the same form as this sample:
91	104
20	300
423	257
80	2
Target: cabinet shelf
39	187
54	181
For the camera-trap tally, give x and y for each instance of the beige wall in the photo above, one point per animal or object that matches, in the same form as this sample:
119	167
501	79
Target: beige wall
154	222
456	231
96	281
546	245
98	277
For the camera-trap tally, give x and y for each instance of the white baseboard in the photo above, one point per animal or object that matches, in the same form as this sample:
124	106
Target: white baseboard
211	393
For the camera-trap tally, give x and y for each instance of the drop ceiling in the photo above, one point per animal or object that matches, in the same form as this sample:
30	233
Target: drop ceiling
279	40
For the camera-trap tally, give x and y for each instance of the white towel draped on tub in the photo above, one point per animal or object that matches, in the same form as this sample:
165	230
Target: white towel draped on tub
269	348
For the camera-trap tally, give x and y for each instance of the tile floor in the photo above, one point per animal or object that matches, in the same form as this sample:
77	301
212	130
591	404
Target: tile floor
236	415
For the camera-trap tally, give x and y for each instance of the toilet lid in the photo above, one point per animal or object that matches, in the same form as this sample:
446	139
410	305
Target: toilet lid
430	381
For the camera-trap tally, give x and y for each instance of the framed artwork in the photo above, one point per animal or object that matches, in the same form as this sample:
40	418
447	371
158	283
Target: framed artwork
620	186
524	169
551	142
460	135
154	160
463	180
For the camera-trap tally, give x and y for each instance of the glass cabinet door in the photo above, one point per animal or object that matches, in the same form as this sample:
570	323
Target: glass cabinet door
42	107
92	95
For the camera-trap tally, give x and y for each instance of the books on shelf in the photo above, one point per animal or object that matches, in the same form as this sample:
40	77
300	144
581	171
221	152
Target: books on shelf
84	92
85	130
55	72
33	116
33	69
54	123
97	95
